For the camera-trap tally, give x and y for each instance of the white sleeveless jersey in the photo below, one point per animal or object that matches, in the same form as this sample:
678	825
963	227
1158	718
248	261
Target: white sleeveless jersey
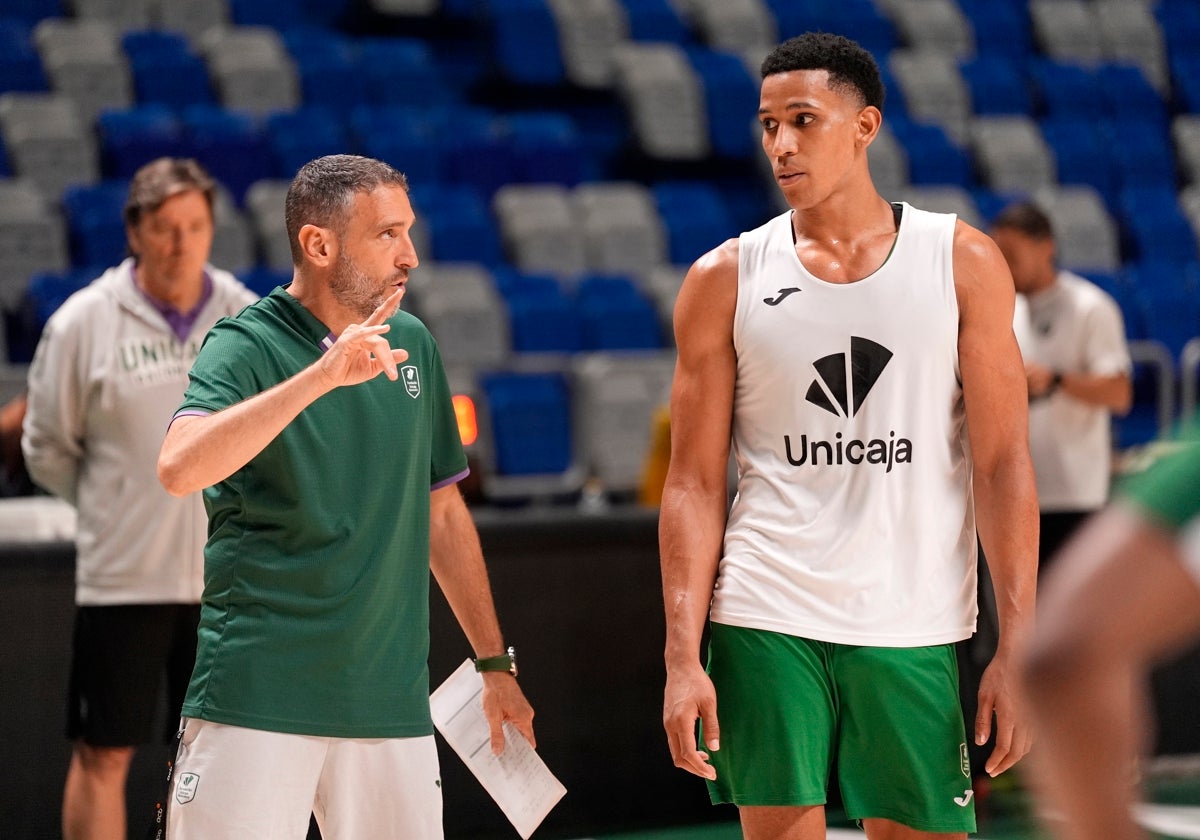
854	520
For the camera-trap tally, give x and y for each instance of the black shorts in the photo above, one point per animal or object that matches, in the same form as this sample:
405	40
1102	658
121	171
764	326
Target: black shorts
120	655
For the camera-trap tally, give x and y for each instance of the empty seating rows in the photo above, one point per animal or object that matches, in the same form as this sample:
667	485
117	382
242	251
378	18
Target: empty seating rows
1084	104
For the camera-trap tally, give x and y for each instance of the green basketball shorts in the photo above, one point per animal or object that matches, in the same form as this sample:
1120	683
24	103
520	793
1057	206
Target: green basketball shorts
889	718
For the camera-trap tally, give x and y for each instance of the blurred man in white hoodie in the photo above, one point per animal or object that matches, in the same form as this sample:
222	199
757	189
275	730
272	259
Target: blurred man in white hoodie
109	371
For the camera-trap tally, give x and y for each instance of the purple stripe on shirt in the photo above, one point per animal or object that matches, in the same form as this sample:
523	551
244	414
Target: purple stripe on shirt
454	479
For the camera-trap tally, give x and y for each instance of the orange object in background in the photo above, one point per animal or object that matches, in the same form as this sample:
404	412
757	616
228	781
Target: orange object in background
468	425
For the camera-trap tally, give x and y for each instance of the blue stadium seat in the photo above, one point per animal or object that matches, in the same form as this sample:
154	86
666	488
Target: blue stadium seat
1172	313
401	71
696	218
615	315
461	227
1067	90
861	20
526	42
475	149
406	137
543	319
1185	80
1180	22
1142	153
655	20
166	70
997	85
20	66
262	280
1153	227
330	73
296	137
277	14
546	147
1082	155
131	138
1000	28
530	420
95	229
731	96
31	11
1130	96
932	157
231	145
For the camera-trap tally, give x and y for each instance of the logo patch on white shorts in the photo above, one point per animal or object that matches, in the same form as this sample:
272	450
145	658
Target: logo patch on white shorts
185	791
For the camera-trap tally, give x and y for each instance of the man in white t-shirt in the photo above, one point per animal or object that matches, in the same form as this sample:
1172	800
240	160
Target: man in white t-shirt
1077	365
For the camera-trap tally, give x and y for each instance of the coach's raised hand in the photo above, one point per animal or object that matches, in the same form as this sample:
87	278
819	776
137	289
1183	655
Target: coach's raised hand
361	351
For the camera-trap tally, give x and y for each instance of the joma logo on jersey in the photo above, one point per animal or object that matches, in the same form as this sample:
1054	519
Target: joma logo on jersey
841	390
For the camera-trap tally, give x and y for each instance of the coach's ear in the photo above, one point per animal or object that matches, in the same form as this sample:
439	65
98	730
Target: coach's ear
318	245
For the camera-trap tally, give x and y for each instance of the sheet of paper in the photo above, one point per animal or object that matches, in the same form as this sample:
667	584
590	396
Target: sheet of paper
517	779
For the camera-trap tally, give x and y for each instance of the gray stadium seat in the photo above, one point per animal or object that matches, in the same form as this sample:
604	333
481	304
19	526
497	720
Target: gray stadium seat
733	25
1067	29
1085	233
32	239
1189	200
251	69
191	17
407	8
1185	131
1012	154
234	245
944	199
47	141
888	163
537	226
1131	35
123	14
84	61
462	308
664	99
622	230
662	284
937	25
614	398
13	378
264	203
589	31
934	89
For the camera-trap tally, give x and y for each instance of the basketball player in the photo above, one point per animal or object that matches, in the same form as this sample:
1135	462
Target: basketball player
1123	594
860	356
331	495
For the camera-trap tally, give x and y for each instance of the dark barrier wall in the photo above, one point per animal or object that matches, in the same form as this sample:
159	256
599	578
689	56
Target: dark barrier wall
579	596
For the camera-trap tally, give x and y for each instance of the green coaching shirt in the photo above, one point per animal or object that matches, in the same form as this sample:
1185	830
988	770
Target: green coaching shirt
315	615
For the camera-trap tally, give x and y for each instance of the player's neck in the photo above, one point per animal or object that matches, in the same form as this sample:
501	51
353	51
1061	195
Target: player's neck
842	219
315	296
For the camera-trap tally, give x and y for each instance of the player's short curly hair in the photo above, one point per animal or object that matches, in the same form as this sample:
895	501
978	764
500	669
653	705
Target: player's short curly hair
851	68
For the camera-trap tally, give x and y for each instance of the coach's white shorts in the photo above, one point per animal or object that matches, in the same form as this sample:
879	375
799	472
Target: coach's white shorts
234	783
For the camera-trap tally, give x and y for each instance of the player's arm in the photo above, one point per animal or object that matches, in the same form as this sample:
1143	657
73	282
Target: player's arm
456	560
1117	600
695	497
200	451
994	394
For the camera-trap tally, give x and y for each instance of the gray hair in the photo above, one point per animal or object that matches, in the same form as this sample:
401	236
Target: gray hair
161	179
323	189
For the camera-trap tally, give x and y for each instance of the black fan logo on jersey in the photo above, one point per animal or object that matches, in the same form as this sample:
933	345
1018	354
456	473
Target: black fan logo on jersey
867	361
781	296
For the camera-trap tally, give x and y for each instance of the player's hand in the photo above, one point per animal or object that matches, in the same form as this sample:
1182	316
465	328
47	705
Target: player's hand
503	700
690	696
361	352
998	696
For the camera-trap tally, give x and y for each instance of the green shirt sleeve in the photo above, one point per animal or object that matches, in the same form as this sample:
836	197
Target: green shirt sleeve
447	458
226	370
